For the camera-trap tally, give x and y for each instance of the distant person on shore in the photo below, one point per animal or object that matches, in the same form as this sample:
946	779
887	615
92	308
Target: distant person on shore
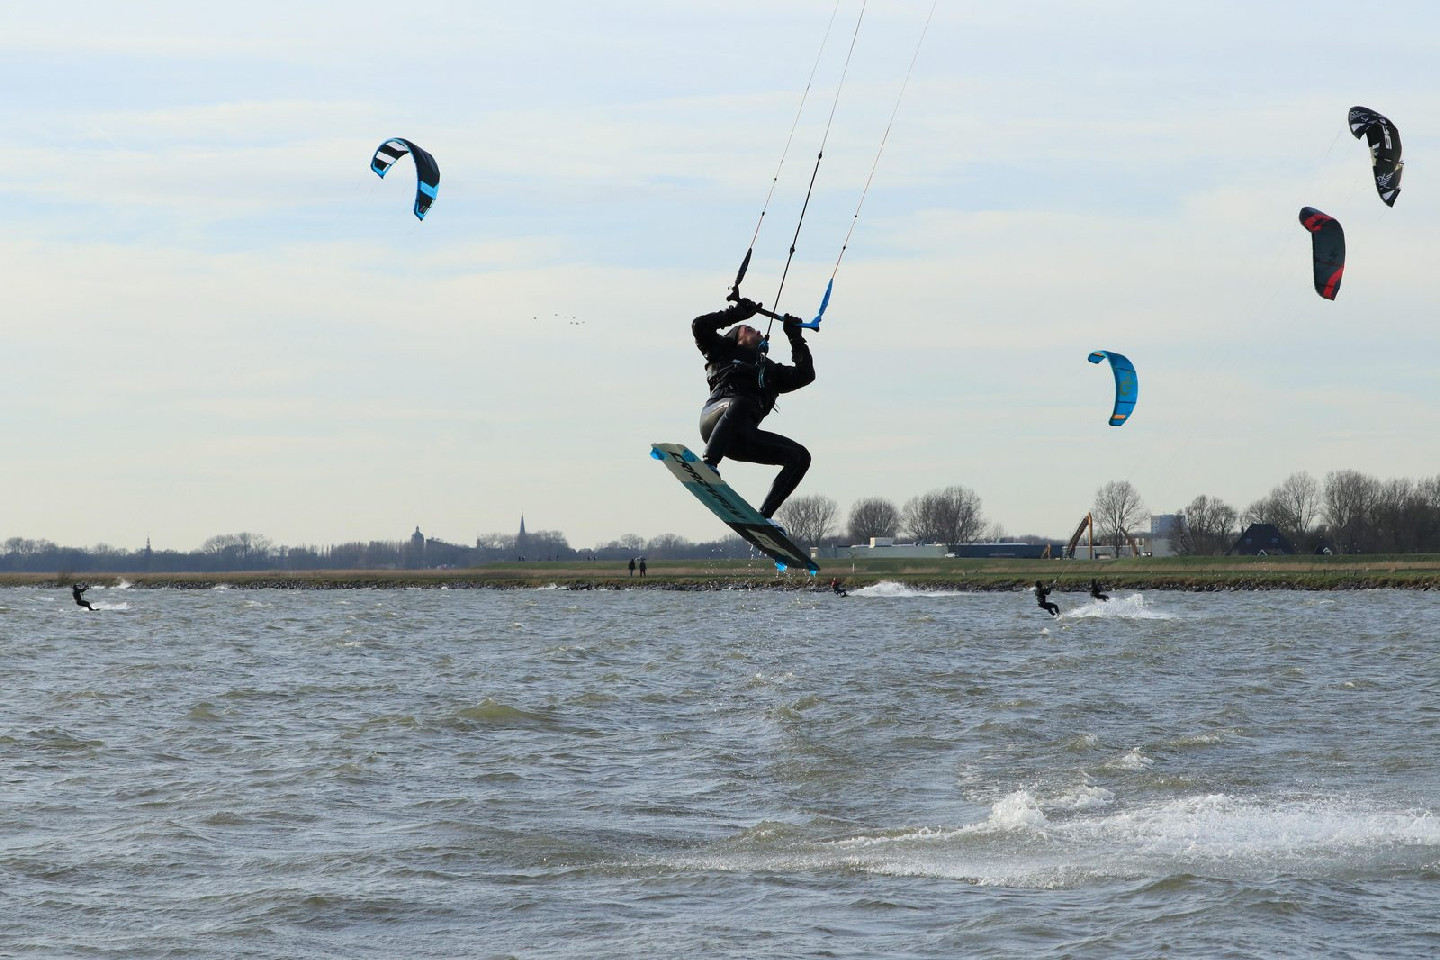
1095	591
632	566
837	587
1041	592
75	591
642	566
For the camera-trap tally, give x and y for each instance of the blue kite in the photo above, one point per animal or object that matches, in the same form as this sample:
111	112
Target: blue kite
427	171
1127	384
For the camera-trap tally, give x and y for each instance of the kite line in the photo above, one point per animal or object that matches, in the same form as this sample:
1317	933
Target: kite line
845	244
745	263
820	155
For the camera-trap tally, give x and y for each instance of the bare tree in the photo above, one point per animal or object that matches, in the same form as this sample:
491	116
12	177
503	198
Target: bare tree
947	516
254	546
1264	510
25	546
969	521
1299	496
1427	493
547	545
1119	512
872	517
238	549
495	546
219	544
667	546
809	520
1398	517
1292	507
1349	498
1207	528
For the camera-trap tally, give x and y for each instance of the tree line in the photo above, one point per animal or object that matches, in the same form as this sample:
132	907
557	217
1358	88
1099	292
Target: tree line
949	515
1347	512
240	552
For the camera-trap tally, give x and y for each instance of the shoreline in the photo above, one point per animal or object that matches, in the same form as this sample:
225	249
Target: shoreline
1189	574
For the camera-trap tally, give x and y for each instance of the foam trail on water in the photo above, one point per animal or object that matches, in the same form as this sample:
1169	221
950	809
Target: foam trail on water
1082	834
889	590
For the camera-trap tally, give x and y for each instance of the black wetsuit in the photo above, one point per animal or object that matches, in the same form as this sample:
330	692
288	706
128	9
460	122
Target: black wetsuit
75	592
1041	593
1095	591
743	386
835	585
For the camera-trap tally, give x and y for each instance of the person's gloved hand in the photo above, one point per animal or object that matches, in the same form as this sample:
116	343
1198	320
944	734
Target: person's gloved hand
745	308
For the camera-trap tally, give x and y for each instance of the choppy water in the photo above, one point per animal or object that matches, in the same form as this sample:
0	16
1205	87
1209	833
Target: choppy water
548	774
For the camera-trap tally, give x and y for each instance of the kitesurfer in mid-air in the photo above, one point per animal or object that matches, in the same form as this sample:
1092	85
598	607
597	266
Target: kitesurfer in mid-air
1095	591
75	591
743	386
1041	592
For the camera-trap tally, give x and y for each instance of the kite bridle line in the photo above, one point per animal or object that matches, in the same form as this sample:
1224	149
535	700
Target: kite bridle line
745	263
845	244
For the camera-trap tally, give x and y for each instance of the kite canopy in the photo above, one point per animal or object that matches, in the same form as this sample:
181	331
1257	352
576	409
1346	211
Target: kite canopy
427	171
1327	241
1127	384
1384	150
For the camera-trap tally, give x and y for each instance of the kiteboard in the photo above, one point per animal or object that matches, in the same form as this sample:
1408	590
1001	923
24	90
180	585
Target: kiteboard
730	507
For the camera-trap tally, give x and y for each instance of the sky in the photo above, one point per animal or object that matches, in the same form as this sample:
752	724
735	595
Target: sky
218	320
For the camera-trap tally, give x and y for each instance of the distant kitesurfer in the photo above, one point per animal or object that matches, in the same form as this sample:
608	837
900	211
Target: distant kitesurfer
743	386
1041	592
75	591
837	587
1095	591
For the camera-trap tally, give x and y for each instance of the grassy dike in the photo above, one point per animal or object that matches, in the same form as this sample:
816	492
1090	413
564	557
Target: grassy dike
1404	572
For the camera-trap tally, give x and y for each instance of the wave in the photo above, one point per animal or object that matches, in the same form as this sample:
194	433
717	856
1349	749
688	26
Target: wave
489	713
1132	760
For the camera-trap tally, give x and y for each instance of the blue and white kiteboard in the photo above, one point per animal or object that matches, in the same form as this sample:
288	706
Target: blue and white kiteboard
730	507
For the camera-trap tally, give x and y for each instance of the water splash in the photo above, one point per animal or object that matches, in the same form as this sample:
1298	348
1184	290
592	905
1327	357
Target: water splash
1132	607
889	589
